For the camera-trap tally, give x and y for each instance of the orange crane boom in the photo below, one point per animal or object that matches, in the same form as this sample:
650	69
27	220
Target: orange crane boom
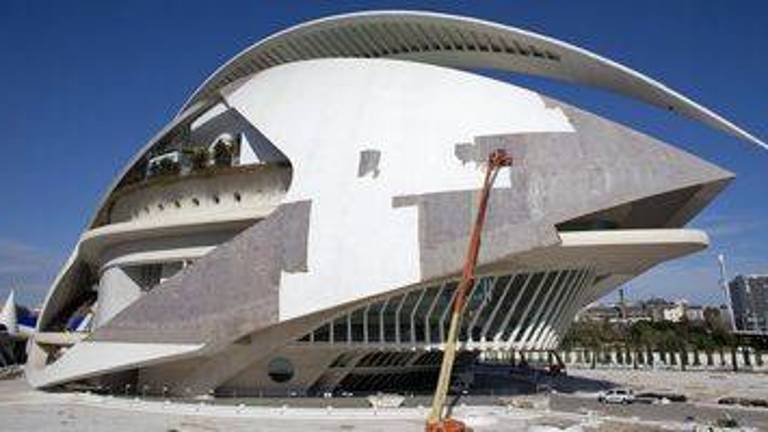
438	421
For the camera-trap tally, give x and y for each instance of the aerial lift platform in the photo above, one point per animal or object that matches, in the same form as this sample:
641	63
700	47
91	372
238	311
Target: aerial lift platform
439	419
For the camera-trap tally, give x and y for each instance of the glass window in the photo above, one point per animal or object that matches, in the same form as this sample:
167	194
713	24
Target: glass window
323	333
535	299
478	297
441	314
420	318
406	310
389	317
280	370
374	329
507	299
494	304
548	292
358	331
340	329
146	276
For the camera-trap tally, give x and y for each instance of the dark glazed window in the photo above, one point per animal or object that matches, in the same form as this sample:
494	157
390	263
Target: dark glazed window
358	328
405	315
369	163
340	329
323	333
280	370
374	327
420	317
388	316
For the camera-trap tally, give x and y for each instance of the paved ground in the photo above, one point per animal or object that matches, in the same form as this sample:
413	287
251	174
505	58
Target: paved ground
673	412
702	389
697	386
23	409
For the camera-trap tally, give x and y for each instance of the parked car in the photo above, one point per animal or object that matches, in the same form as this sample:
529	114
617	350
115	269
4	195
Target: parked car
617	396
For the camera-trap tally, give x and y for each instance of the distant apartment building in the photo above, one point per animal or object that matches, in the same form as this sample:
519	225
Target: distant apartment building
655	308
633	312
749	301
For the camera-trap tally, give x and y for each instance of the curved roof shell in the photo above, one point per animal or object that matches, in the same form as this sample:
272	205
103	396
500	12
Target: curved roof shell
455	41
440	39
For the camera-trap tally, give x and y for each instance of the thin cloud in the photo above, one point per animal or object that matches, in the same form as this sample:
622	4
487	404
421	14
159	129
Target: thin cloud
725	227
26	269
17	258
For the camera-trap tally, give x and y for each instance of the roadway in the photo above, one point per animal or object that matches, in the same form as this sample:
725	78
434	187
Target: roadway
675	411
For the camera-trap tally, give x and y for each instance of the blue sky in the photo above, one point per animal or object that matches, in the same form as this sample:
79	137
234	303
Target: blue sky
87	83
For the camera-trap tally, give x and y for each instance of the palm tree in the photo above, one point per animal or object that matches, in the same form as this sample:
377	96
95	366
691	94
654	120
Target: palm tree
199	158
222	153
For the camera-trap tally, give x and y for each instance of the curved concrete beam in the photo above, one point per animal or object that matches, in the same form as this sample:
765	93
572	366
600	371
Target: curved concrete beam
455	41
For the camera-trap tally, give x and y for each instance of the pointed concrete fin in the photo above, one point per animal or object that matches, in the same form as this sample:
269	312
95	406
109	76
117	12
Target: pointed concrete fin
247	155
8	314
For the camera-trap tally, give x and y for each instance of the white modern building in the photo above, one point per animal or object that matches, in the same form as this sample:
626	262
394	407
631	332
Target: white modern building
300	225
676	312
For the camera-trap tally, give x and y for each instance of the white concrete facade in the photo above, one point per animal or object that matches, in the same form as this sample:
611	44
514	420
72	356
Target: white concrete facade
308	190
